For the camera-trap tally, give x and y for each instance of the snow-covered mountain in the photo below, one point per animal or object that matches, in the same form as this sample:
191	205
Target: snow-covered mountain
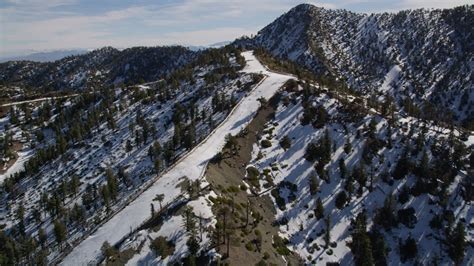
327	160
132	133
421	57
325	145
103	66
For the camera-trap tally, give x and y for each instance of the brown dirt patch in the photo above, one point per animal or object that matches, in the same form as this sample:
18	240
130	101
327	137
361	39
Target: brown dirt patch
224	178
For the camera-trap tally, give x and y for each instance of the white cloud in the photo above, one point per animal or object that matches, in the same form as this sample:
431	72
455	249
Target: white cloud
73	30
411	4
45	24
41	3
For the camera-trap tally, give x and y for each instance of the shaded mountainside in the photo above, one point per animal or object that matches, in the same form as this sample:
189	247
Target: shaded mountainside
106	65
425	56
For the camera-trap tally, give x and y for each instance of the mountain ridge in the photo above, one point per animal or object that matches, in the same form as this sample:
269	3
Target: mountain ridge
424	55
105	65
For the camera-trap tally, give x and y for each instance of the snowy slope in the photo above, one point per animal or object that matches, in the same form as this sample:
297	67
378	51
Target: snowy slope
423	54
207	92
303	230
191	166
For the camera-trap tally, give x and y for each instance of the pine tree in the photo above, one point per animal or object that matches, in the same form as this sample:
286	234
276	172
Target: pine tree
13	116
327	233
424	165
320	151
189	219
319	210
157	165
108	251
366	258
6	145
156	148
230	142
459	150
42	237
403	166
168	153
61	144
285	143
349	185
145	133
128	146
341	200
313	184
105	195
379	247
190	226
409	249
190	136
20	215
457	243
112	183
60	231
359	174
342	168
224	212
159	198
326	147
347	146
361	246
386	216
177	135
151	153
74	184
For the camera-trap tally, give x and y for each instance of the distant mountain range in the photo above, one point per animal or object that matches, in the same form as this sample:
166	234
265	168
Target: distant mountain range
51	56
48	56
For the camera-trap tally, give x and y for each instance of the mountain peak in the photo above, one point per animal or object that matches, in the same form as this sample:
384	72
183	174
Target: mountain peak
304	6
377	53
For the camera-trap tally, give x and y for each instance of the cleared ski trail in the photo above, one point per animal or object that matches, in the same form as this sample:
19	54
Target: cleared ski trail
191	165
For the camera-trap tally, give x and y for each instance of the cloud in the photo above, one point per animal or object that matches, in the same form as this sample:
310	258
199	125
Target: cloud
58	24
40	3
206	37
193	22
411	4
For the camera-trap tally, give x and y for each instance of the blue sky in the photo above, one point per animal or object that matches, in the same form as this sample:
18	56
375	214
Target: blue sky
40	25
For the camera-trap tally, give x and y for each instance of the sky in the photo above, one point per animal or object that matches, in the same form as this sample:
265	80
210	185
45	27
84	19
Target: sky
45	25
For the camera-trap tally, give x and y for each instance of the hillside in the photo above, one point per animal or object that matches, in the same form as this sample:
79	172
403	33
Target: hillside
351	184
105	66
318	177
421	58
328	161
83	159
